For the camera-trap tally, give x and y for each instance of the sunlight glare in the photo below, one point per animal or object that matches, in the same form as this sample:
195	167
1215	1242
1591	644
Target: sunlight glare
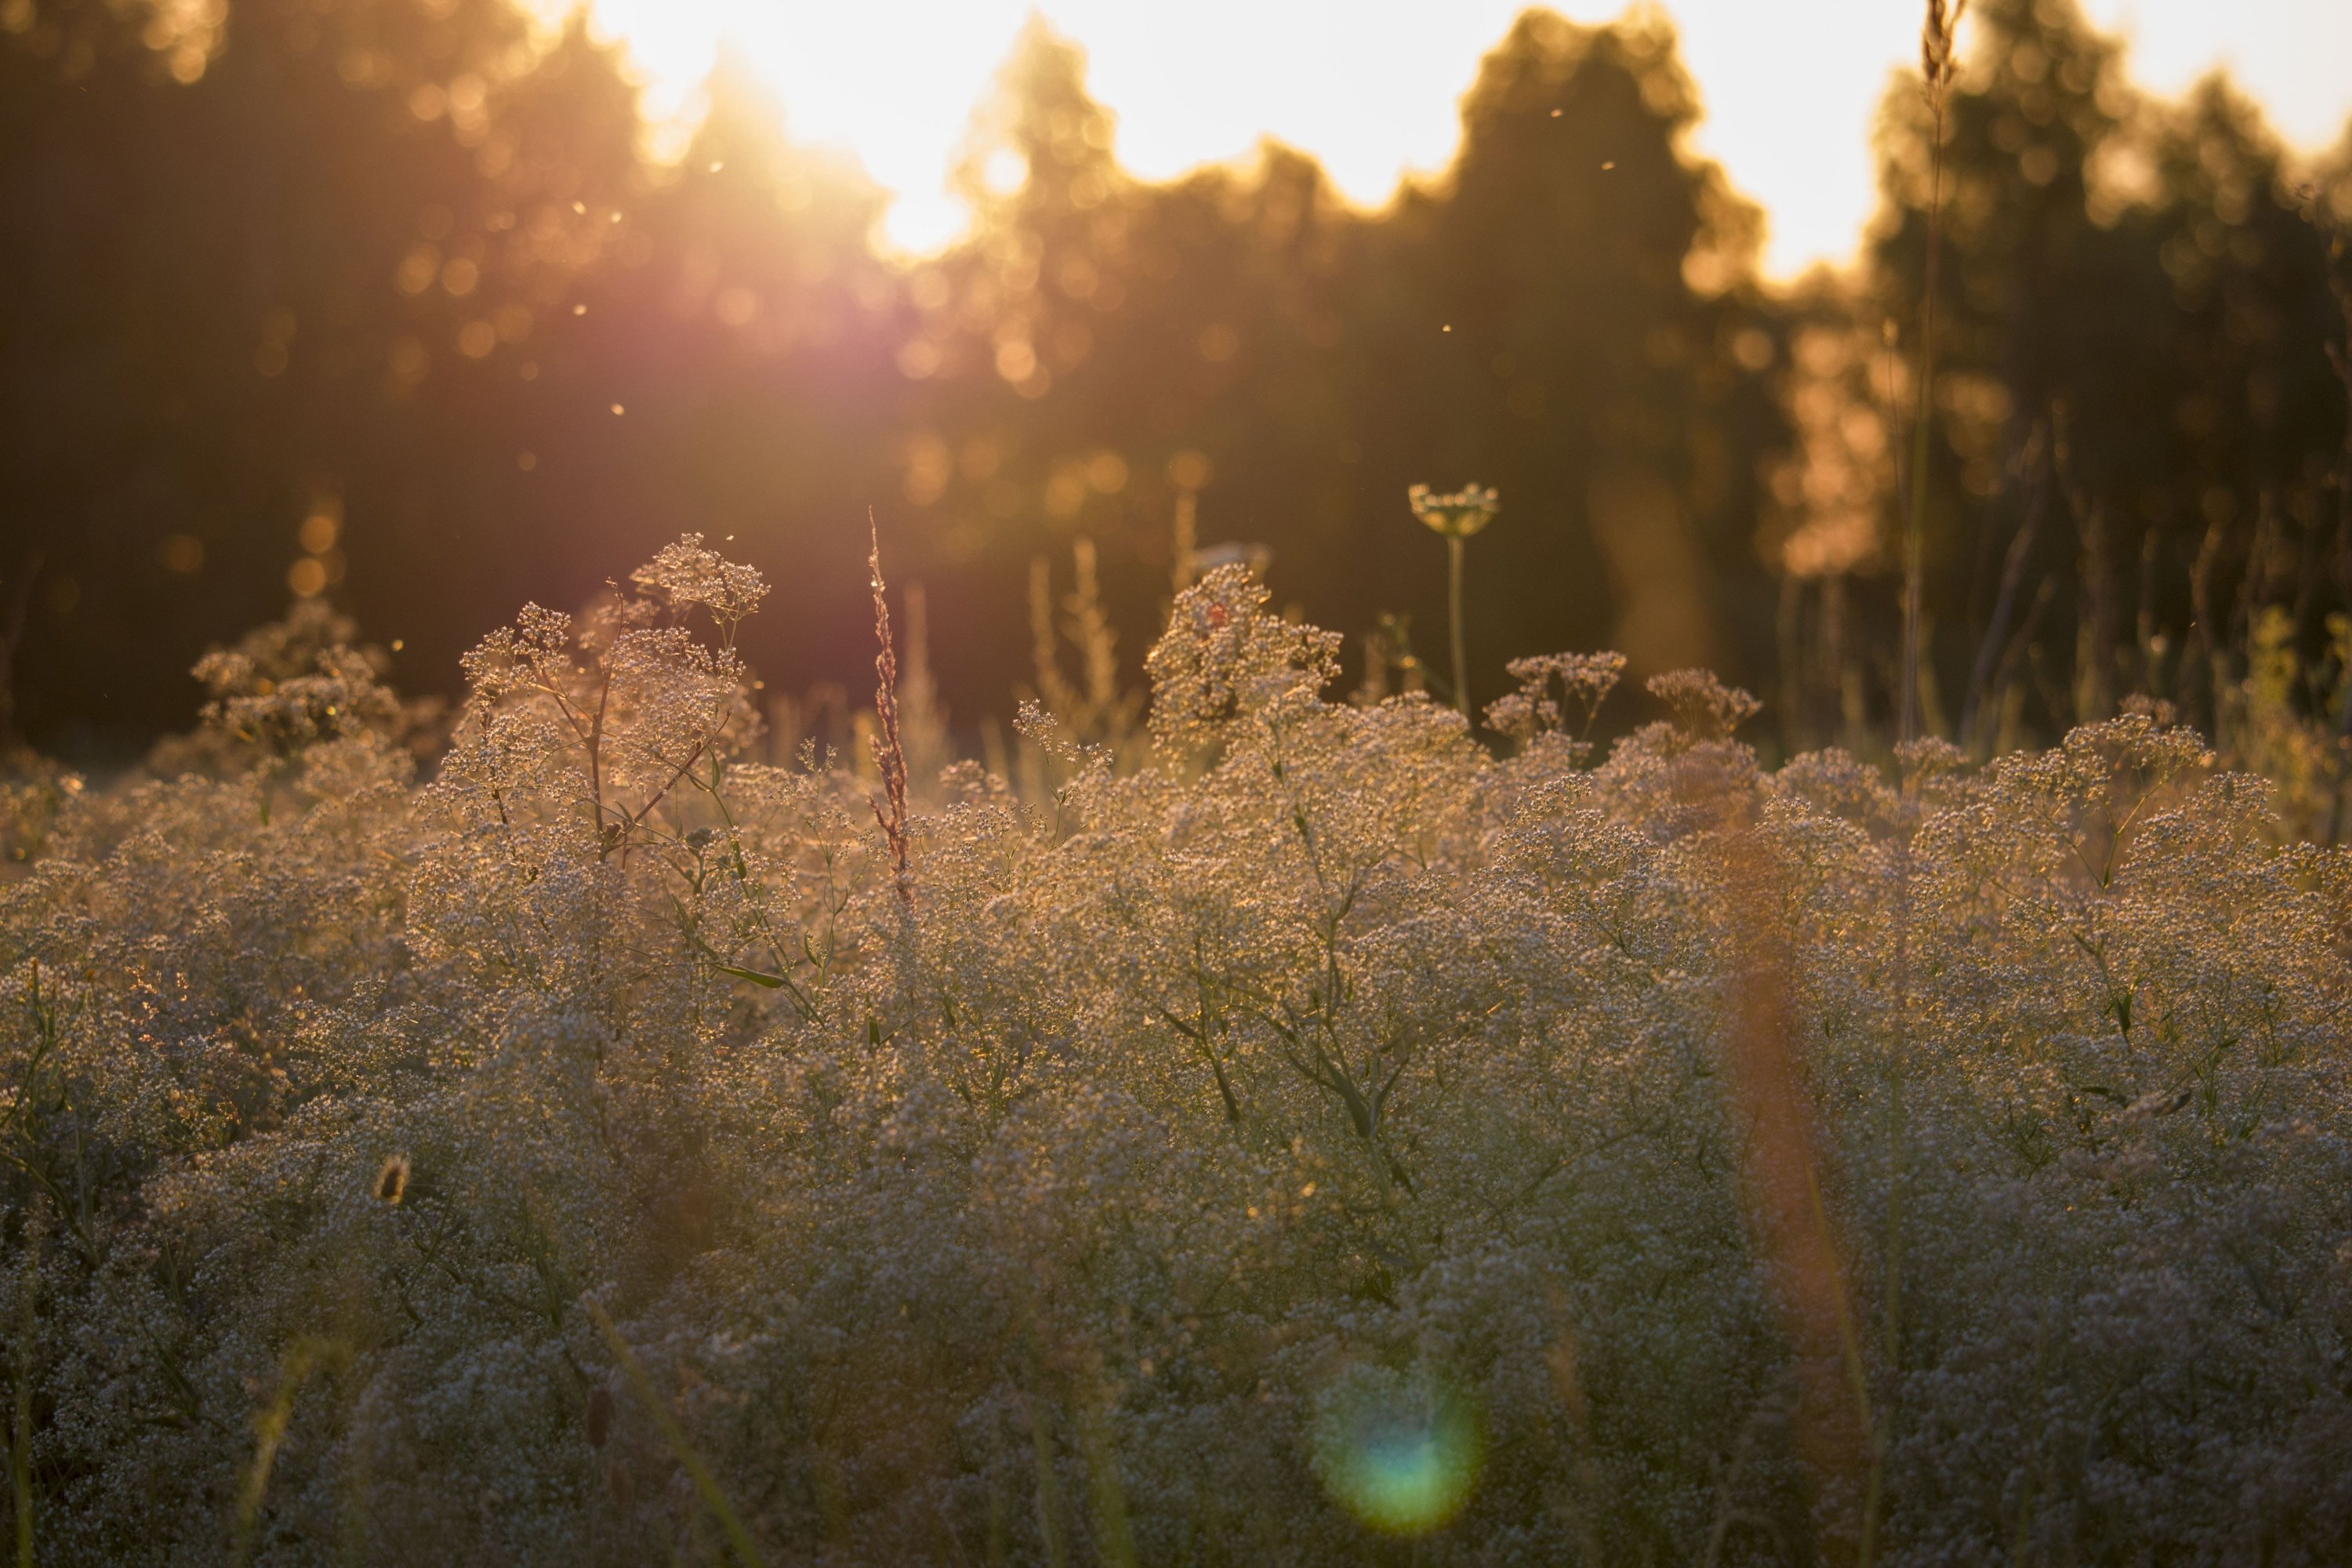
1372	89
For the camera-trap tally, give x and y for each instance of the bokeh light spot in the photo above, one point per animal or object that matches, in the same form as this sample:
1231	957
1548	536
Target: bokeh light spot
1005	171
1399	1451
320	528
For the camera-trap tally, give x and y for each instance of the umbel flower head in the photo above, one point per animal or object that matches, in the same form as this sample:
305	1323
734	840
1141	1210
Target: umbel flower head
1459	515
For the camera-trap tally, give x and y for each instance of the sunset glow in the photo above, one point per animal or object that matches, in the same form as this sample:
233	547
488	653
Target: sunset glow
1370	90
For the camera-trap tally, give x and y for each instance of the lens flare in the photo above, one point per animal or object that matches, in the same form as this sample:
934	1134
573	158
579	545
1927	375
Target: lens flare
1399	1451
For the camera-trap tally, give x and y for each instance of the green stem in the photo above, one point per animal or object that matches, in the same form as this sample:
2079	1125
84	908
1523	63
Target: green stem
1049	1492
20	1455
303	1357
737	1538
1453	590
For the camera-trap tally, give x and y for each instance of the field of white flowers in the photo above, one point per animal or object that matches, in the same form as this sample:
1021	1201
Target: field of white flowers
1300	1137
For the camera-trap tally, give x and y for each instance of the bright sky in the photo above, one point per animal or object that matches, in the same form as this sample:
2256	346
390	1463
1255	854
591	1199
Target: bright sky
1370	87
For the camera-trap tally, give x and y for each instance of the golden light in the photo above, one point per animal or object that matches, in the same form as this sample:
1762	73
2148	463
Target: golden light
1371	90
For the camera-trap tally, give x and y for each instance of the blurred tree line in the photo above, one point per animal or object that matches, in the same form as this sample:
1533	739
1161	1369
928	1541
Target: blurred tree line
2140	463
384	301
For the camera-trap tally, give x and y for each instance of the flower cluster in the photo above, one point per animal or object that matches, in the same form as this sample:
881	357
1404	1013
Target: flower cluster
1319	1127
1456	515
1585	679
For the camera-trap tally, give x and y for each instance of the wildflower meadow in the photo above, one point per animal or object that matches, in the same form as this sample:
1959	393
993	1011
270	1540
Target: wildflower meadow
1249	1127
1777	995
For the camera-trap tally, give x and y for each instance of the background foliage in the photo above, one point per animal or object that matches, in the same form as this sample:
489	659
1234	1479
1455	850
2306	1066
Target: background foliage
391	265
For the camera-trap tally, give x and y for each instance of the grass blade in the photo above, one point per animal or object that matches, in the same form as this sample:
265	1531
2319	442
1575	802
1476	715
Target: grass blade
739	1539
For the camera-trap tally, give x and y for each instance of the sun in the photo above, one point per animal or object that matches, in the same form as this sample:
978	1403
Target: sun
892	85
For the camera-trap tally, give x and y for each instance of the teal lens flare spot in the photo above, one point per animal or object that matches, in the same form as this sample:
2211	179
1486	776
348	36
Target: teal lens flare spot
1400	1452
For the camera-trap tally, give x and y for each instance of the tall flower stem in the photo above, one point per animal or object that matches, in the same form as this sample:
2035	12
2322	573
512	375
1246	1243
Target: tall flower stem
1458	516
1936	74
1453	552
1915	525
